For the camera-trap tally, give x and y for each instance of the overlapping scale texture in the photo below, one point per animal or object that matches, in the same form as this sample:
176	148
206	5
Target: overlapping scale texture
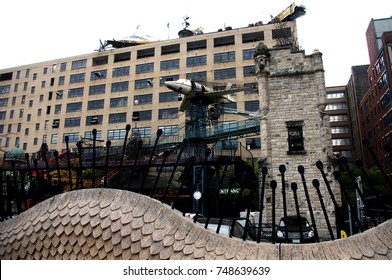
97	224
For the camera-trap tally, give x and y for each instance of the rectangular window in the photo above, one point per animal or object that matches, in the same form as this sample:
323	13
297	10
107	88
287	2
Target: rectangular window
7	88
57	109
121	86
251	88
228	73
116	134
77	78
145	68
118	102
97	75
142	115
121	71
122	56
196	45
252	106
253	143
118	118
89	135
79	64
197	76
143	83
171	113
170	64
3	102
61	80
74	107
63	66
170	49
224	41
145	53
168	96
248	54
253	37
98	89
75	92
169	130
248	71
72	137
54	139
141	132
142	99
72	122
196	61
295	137
101	60
95	104
224	57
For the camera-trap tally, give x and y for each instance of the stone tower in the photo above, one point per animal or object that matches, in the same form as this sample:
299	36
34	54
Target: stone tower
294	130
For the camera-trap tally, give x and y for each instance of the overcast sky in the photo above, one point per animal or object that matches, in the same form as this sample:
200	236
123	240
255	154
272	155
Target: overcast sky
40	30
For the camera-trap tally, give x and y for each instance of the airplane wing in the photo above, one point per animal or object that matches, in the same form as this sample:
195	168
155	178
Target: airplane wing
184	104
218	93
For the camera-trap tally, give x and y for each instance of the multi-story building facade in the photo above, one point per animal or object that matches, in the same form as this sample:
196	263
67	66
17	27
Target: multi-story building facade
375	108
106	90
356	89
341	131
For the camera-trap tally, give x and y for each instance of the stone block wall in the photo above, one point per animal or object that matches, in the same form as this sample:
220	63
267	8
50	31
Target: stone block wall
292	93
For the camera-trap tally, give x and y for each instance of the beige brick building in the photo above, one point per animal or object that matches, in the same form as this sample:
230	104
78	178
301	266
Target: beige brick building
106	90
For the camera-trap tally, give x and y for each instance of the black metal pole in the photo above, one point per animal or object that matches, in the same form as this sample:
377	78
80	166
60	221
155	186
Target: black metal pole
165	155
66	138
139	145
339	215
79	177
316	185
127	129
2	208
183	144
301	171
217	191
94	132
264	172
294	188
108	144
274	185
144	178
56	158
282	170
188	168
343	188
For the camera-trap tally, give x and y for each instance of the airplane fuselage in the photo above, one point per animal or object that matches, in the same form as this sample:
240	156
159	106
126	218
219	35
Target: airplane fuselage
195	92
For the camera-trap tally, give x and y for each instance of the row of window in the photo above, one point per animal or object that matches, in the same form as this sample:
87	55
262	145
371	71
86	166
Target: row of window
219	74
125	71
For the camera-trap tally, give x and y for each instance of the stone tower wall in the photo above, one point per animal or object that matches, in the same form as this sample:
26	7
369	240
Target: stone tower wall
292	90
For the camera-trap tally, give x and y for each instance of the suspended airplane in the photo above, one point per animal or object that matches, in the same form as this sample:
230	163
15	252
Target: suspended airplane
125	42
195	93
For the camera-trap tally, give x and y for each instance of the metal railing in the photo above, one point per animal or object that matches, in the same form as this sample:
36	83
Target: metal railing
212	188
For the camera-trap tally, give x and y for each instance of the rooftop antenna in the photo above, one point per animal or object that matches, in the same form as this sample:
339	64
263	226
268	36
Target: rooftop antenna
137	27
185	23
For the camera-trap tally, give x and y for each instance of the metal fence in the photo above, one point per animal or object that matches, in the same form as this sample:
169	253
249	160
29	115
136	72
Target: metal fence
213	187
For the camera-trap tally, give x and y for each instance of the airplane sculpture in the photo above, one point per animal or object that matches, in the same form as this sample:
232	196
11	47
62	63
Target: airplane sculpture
197	93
